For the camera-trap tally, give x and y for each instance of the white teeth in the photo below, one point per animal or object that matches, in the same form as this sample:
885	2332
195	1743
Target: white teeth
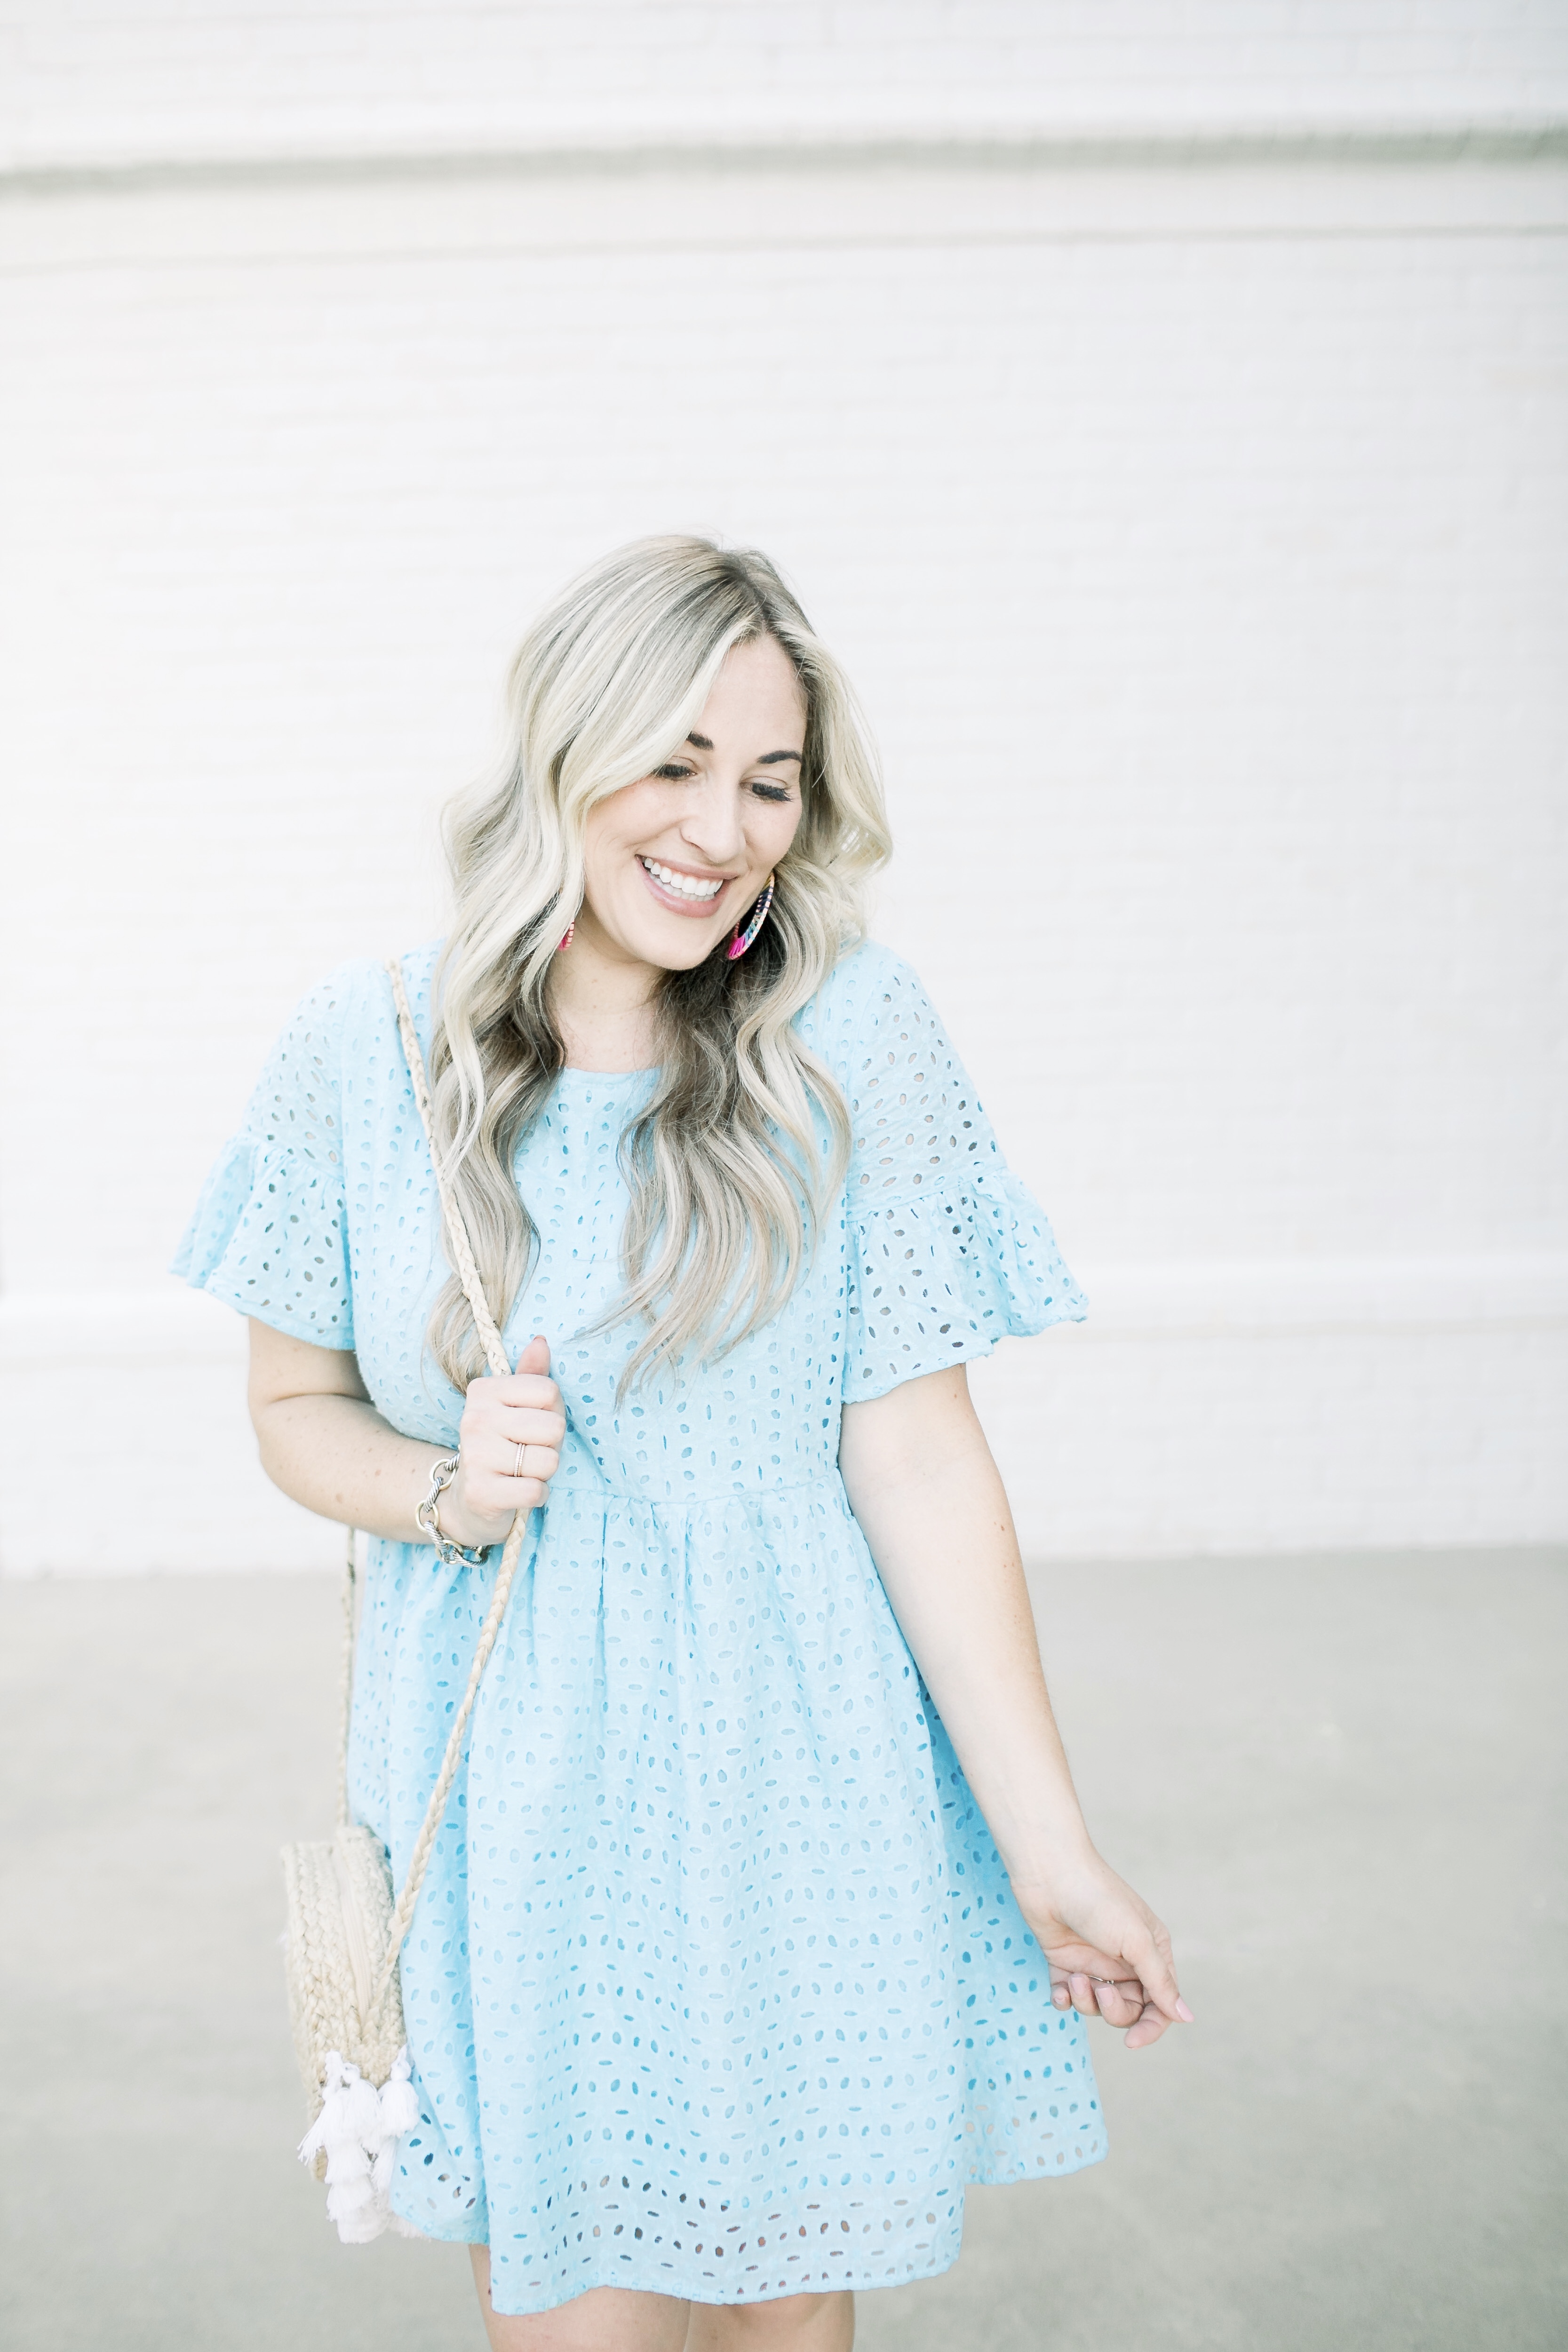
684	886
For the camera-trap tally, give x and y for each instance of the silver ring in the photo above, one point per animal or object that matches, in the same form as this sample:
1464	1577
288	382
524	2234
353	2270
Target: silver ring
517	1467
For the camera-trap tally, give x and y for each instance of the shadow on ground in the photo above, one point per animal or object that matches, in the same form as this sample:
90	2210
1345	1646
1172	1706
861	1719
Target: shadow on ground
1336	1776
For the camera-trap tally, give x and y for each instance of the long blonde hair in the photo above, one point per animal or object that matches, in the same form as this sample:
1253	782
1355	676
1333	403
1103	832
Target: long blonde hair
725	1165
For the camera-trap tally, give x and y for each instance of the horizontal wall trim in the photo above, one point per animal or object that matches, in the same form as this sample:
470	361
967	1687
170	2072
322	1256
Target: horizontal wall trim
769	205
1243	1298
766	144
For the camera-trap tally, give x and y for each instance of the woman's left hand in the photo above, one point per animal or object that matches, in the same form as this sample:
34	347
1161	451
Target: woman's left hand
1110	1957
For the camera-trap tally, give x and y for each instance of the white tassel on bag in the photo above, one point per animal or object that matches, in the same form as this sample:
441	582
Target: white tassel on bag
358	2130
399	2099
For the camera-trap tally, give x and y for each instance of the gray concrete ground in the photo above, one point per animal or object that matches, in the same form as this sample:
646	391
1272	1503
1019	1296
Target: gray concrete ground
1336	1776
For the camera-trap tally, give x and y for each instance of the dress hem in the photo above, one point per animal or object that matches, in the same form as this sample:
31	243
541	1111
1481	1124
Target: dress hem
992	2177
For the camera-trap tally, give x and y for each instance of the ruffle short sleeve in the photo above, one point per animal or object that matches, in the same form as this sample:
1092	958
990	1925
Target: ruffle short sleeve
948	1251
270	1235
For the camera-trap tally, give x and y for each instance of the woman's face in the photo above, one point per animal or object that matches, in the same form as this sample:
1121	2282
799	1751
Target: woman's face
673	862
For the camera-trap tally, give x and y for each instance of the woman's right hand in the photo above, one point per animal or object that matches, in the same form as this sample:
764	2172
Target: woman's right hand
494	1480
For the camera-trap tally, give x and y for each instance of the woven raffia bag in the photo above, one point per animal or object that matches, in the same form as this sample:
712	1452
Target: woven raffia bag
345	1934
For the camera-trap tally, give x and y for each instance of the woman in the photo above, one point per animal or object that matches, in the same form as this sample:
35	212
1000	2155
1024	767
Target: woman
726	1976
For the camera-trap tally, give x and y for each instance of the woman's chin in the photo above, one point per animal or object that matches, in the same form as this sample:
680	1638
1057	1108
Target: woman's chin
677	944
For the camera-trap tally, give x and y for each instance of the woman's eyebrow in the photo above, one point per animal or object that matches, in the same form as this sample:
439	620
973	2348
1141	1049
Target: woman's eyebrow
767	759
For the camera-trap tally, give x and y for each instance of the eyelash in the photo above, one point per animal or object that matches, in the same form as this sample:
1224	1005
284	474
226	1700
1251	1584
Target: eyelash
678	775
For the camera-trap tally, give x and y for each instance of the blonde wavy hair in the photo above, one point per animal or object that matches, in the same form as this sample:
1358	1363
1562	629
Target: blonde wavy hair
725	1164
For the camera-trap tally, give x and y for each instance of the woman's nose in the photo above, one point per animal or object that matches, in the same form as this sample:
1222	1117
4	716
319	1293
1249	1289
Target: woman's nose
711	825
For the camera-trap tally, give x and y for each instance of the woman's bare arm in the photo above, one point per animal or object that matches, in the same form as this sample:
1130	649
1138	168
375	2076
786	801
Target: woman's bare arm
324	1442
924	1488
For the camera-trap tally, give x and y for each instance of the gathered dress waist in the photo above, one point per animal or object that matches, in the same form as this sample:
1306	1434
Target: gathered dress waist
571	1486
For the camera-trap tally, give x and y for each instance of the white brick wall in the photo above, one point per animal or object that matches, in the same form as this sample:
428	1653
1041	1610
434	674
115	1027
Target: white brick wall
1195	532
94	80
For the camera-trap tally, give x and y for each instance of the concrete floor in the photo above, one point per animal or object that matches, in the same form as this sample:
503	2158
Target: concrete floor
1337	1778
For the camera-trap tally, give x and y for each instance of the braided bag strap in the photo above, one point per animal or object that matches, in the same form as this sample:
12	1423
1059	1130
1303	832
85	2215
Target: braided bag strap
462	1258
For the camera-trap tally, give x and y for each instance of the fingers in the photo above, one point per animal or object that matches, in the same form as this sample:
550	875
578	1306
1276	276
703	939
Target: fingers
1120	2004
529	1389
525	1445
1137	1952
530	1494
510	1439
1110	1957
1150	1955
1118	2000
530	1384
489	1467
512	1431
489	1394
488	1505
1148	2028
497	1438
1123	2002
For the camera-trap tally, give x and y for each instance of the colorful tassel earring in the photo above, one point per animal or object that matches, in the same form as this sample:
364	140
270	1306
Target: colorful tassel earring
565	939
742	938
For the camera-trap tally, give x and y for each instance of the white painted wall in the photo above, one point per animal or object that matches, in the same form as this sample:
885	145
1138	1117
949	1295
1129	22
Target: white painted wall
1160	410
97	80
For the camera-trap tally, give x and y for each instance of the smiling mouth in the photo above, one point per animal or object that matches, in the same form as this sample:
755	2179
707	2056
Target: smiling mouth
691	888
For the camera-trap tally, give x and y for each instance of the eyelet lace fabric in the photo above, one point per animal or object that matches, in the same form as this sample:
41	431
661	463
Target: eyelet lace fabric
716	1986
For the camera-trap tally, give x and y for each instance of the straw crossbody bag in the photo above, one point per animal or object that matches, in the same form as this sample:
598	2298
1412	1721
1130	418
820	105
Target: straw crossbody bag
345	1933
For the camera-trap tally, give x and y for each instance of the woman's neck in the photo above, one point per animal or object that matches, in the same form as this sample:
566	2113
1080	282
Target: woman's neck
602	1002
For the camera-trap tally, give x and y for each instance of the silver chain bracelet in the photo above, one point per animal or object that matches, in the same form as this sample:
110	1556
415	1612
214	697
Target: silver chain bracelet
428	1519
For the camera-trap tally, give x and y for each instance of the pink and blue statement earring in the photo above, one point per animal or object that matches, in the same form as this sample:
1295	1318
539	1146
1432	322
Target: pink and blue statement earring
742	938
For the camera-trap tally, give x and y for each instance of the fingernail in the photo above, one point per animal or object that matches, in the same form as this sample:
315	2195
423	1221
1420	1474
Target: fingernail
1184	2013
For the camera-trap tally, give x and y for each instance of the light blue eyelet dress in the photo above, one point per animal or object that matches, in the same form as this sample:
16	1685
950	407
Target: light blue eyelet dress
716	1987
